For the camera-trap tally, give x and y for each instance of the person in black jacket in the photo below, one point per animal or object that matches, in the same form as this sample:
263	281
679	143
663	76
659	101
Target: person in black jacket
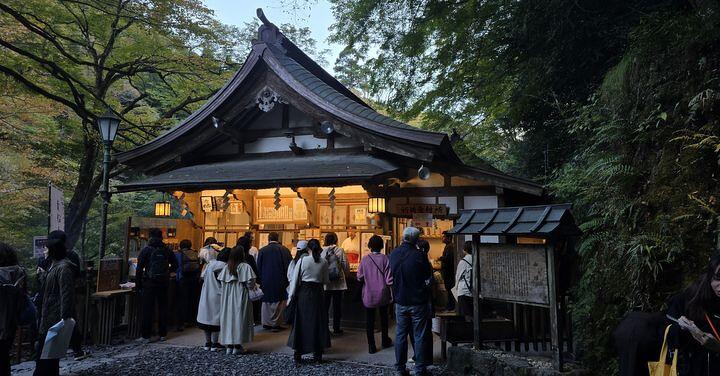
58	300
156	265
696	334
12	301
412	272
447	270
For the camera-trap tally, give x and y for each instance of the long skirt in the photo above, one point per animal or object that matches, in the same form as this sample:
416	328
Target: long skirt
310	332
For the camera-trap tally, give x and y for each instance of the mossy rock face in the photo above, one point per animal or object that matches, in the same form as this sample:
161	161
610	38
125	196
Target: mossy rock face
463	360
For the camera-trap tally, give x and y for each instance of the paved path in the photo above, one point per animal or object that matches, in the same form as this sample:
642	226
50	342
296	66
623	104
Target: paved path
181	354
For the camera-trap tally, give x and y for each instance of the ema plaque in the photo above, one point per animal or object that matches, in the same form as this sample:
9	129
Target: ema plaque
514	274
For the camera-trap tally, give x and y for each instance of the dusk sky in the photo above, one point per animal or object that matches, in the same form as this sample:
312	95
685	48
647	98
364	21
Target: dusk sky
318	18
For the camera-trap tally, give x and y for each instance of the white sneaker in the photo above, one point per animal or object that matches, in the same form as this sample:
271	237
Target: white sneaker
228	351
162	339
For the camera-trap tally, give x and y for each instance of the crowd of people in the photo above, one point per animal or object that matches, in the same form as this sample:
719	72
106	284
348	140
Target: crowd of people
226	291
302	291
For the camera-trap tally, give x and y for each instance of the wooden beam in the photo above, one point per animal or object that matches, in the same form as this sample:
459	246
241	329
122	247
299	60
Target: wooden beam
477	308
555	345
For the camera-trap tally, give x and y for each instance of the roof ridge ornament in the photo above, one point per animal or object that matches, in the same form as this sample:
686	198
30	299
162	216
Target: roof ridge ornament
267	32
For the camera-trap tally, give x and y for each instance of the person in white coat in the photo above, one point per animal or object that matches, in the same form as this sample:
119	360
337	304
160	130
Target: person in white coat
463	282
236	314
208	316
338	267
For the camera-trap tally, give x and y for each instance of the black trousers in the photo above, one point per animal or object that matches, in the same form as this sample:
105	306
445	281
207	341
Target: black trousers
179	303
191	288
76	339
370	324
45	367
5	346
450	306
334	296
154	295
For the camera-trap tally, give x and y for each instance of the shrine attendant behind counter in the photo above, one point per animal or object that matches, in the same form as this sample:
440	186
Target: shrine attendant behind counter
695	334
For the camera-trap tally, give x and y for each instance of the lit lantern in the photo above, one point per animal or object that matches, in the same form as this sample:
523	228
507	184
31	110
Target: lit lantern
162	209
376	205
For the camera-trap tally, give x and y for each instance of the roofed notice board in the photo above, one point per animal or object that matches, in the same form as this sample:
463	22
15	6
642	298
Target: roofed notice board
514	273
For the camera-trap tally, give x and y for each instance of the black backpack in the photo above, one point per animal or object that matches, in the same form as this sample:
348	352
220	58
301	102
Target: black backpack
190	261
158	265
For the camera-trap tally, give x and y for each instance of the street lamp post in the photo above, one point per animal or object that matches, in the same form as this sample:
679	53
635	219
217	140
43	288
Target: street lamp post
108	125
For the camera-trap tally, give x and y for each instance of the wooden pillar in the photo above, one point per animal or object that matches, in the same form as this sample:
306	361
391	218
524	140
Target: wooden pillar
477	309
126	254
555	345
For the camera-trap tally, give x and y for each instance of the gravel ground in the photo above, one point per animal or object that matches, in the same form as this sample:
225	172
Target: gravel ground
166	361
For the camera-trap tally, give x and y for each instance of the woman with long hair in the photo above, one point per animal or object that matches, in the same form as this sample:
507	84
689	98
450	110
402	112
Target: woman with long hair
696	332
236	316
310	332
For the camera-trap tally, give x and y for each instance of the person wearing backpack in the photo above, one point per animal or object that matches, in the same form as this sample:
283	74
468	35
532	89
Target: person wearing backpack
156	264
13	299
338	268
463	283
375	275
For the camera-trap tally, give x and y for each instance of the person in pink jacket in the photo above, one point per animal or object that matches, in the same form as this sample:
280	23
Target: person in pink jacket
375	274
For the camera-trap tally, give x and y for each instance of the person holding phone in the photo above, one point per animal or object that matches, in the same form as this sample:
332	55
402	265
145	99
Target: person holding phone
694	316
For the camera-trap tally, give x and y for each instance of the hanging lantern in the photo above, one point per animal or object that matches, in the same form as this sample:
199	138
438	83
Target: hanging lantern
376	205
162	208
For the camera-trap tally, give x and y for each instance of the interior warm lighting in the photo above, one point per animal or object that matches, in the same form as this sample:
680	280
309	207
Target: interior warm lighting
376	205
162	209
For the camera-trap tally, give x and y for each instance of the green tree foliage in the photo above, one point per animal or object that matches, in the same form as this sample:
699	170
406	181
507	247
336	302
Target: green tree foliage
147	60
63	61
623	97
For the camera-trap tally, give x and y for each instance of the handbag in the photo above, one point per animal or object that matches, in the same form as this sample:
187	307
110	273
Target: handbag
661	368
387	291
291	309
256	293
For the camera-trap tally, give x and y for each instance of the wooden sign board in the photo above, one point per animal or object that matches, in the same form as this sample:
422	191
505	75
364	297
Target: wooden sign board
290	210
434	209
514	273
109	274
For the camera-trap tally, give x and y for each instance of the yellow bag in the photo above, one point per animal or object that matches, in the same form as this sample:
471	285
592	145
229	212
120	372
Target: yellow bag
660	368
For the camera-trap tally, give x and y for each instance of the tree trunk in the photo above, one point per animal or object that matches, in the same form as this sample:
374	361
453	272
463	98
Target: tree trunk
85	192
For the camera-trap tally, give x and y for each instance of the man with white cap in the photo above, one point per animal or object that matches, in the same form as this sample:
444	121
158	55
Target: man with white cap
411	271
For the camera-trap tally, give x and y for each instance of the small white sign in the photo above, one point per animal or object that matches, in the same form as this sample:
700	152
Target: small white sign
39	243
57	209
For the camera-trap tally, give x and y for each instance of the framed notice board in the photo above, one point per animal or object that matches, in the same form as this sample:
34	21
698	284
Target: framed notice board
514	273
109	274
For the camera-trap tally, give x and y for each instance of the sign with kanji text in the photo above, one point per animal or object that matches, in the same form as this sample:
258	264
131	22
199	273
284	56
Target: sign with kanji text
57	209
434	209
